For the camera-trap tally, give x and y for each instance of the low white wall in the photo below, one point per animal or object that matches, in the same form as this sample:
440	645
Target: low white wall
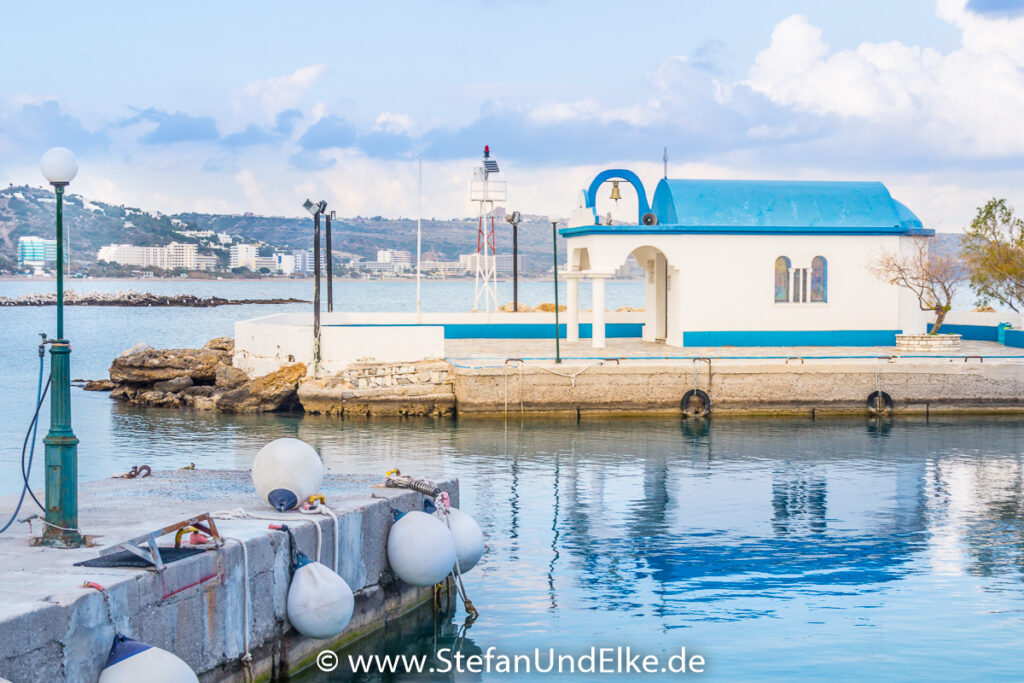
980	318
265	344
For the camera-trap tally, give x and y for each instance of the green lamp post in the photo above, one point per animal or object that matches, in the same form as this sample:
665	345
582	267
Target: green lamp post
59	166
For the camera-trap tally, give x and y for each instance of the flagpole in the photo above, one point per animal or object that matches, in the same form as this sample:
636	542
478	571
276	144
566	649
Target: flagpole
419	236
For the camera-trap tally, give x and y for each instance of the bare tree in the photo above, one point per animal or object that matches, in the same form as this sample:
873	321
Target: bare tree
934	278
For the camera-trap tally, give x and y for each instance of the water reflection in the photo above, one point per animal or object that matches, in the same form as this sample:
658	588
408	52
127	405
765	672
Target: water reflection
425	631
757	540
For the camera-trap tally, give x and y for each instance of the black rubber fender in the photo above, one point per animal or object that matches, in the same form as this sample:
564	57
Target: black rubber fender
705	403
874	408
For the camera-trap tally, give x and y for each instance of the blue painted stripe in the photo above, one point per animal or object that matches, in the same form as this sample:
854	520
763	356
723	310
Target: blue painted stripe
974	332
535	331
738	230
792	338
516	330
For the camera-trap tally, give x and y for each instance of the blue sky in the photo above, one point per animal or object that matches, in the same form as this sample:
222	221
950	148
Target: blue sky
252	106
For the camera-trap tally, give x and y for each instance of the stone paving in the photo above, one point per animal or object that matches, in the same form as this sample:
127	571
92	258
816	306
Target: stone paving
482	352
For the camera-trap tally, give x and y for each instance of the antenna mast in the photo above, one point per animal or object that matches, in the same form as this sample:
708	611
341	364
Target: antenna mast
486	191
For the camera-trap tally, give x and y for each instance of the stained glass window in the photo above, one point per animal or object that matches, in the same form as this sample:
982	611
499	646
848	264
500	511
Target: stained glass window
782	265
819	279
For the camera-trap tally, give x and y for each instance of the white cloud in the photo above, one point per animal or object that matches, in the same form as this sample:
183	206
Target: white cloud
967	101
393	122
273	95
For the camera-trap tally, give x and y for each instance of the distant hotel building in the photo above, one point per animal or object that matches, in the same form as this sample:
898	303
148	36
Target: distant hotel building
401	259
502	262
174	255
243	256
443	267
303	263
36	252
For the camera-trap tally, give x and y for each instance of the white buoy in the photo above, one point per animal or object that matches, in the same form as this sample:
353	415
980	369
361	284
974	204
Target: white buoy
320	602
131	661
469	539
421	549
287	472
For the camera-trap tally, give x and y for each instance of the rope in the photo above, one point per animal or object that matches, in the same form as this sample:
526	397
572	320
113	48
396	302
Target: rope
322	509
571	375
30	444
457	571
522	409
241	513
36	515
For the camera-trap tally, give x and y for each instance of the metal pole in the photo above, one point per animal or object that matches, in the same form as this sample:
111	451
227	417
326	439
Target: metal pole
554	252
61	443
515	267
419	237
330	265
316	292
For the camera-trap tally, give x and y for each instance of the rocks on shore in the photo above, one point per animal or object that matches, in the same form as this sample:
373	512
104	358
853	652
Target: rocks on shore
133	298
203	379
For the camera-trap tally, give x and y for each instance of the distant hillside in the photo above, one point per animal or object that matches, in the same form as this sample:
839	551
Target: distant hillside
28	210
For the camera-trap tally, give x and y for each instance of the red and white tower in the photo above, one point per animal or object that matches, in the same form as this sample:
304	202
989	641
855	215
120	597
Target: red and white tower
486	190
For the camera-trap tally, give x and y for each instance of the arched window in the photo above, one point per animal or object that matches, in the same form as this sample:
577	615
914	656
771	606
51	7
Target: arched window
819	279
782	266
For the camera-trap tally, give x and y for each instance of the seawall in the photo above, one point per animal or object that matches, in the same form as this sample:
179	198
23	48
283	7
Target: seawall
53	629
795	387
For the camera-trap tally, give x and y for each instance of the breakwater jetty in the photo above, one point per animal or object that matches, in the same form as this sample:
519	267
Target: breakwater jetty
517	377
212	608
133	298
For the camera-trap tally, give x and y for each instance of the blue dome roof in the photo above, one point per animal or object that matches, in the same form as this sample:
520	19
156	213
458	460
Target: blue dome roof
774	205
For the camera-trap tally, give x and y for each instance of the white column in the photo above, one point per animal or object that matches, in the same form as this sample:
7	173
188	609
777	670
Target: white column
572	306
597	317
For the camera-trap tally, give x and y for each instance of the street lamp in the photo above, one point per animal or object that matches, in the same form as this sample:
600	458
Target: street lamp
59	166
554	252
316	208
514	218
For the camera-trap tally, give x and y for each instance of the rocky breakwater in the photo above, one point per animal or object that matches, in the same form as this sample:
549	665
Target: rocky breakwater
133	298
203	379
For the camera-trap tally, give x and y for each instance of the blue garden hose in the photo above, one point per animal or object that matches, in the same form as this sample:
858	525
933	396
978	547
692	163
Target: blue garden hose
30	443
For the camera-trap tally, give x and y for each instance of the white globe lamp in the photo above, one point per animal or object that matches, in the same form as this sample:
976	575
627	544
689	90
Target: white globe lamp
59	166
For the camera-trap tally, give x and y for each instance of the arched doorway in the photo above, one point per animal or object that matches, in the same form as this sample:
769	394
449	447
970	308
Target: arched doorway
657	293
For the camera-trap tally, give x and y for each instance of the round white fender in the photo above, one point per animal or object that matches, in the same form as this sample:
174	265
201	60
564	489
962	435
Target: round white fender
286	472
469	539
421	549
320	602
131	661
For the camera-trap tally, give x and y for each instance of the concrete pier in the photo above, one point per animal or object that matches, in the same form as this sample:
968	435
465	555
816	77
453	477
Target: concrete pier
983	377
53	629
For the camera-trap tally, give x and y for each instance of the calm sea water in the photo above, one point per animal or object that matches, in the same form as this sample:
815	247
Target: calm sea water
776	549
99	334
